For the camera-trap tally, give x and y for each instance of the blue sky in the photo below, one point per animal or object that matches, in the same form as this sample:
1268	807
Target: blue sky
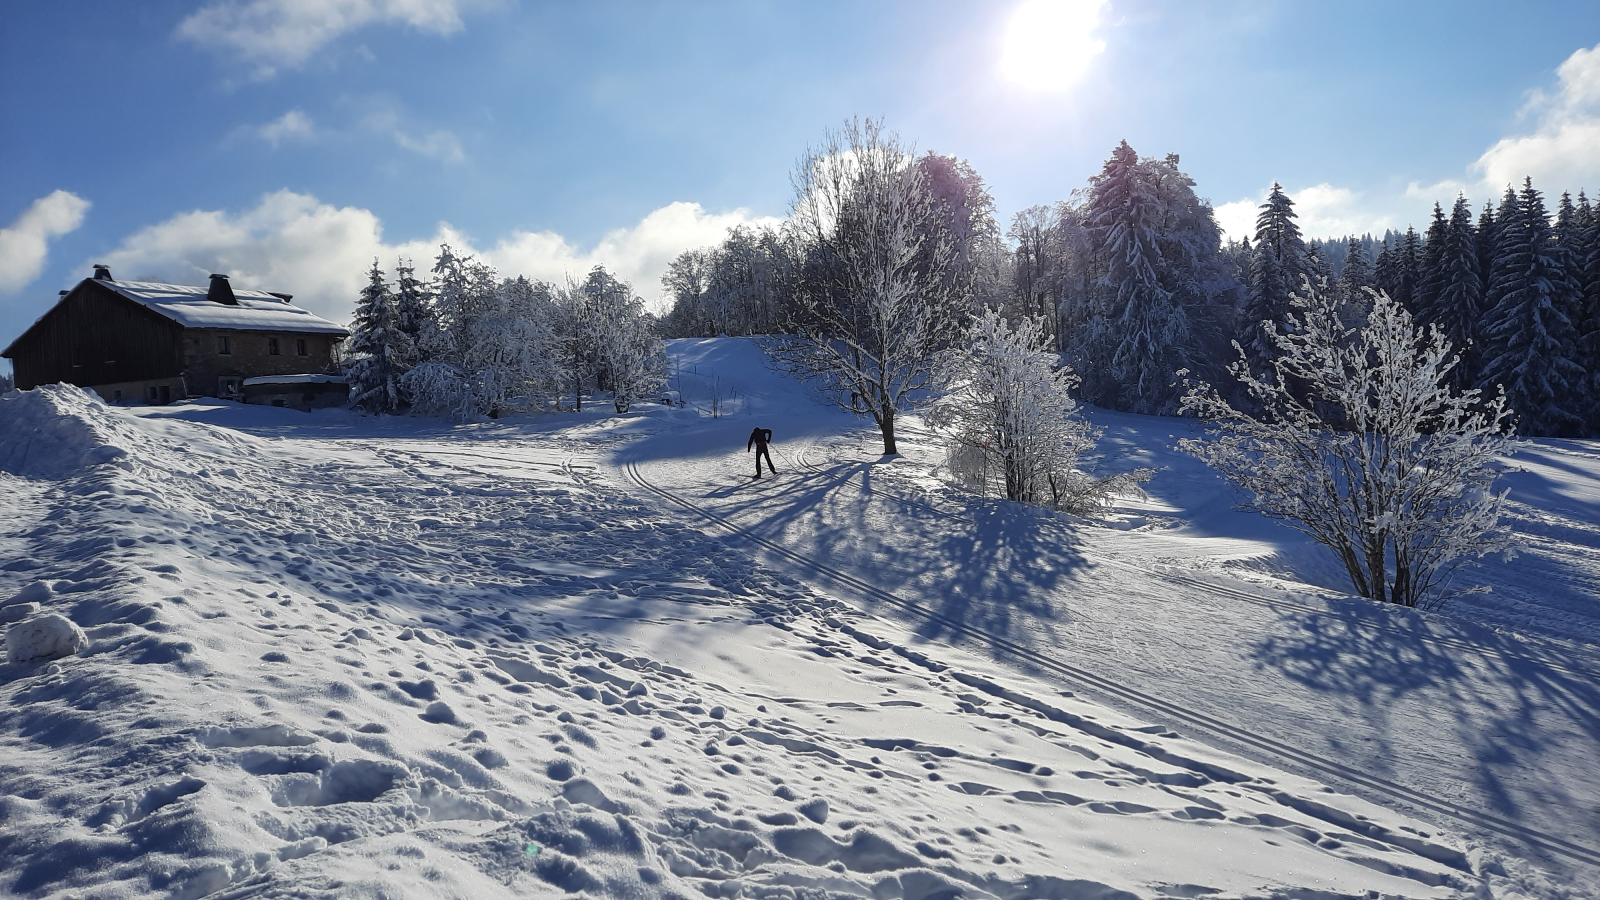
288	141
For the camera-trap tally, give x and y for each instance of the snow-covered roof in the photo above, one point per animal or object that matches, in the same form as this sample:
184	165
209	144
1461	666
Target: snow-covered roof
296	379
256	311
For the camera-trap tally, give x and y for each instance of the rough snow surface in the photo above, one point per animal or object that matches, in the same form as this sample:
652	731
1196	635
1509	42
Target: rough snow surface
342	656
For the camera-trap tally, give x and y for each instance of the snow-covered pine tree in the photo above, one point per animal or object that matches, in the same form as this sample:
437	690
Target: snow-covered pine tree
1357	273
1459	305
1277	267
1430	270
1488	237
1566	232
1589	306
380	352
1010	423
1379	459
413	303
1530	340
1139	333
1407	264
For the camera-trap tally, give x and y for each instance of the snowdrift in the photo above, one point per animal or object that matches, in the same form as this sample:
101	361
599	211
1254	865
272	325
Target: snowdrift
55	430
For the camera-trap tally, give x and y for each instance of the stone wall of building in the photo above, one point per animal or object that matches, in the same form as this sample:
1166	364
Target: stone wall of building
249	356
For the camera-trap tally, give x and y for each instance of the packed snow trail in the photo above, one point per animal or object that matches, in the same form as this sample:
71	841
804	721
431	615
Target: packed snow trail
1472	717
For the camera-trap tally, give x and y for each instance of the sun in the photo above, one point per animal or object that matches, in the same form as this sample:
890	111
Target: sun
1049	43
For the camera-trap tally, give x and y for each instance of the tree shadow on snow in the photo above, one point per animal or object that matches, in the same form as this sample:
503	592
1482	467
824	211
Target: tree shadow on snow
1518	718
995	566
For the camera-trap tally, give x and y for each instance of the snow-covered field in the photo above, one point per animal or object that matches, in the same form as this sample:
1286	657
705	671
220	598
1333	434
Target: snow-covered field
340	656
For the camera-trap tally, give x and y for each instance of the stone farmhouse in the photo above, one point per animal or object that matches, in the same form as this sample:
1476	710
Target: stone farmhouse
140	342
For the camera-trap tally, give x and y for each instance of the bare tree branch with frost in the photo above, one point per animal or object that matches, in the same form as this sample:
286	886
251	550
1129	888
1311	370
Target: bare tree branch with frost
1362	445
875	305
1010	422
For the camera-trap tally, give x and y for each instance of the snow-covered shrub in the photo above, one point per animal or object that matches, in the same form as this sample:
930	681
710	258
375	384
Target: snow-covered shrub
1010	423
1362	445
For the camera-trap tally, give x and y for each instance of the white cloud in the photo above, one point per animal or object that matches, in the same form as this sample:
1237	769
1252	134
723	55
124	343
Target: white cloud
26	243
440	145
1322	211
293	125
295	243
275	34
1237	218
638	254
1563	152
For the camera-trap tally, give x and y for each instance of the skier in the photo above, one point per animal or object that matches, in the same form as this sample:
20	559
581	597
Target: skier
759	440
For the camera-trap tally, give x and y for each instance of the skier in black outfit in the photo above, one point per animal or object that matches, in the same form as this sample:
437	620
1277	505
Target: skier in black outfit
759	440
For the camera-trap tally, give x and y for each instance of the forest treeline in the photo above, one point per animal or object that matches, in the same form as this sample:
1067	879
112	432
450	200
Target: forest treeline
467	343
1137	288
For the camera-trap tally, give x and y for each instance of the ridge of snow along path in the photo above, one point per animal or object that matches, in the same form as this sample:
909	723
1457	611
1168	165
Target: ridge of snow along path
334	656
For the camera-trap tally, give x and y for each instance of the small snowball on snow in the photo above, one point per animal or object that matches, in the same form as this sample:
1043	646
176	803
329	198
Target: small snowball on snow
43	637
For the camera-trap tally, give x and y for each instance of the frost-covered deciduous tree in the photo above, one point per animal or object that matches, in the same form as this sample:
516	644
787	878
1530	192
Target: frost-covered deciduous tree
878	303
516	353
1379	459
629	357
380	352
1009	420
490	347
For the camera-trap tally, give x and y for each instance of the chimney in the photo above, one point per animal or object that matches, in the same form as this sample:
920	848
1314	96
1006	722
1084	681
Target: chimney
102	272
63	294
221	291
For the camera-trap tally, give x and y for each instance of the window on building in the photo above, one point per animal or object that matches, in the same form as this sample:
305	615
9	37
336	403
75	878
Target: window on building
272	347
300	347
223	347
116	395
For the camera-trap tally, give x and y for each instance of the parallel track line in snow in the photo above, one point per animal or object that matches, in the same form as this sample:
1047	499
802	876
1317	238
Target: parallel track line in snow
1236	594
1486	821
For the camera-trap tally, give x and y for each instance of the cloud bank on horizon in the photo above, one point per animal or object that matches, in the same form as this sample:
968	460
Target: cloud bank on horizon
1562	152
295	243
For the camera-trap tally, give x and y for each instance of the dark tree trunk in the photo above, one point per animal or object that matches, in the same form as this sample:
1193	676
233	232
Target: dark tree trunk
886	423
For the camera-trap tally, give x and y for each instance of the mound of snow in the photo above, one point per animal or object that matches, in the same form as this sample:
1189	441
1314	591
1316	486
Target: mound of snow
54	431
43	637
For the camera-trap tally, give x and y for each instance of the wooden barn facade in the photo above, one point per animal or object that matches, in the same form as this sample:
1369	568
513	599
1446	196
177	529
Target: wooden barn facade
134	341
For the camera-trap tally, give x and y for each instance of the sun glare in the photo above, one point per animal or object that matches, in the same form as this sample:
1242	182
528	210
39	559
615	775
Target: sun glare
1048	43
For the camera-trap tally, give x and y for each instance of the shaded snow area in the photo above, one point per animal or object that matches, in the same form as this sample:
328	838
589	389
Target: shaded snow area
327	655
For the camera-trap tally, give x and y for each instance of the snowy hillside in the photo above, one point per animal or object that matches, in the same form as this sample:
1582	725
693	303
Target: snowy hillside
329	655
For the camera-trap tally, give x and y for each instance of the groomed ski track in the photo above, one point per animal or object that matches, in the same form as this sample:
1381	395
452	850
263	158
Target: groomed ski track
1289	755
